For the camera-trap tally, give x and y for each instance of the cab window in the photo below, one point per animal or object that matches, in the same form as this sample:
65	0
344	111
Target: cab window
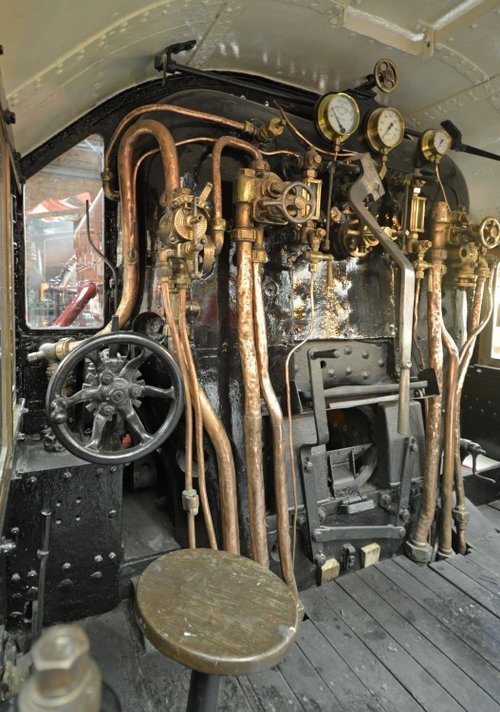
63	267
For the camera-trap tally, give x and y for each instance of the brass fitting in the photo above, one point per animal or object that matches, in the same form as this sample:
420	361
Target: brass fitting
191	501
271	129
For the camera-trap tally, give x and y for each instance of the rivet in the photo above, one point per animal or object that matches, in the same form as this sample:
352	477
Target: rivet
112	555
96	575
66	566
348	371
67	475
32	573
98	559
15	577
348	350
112	513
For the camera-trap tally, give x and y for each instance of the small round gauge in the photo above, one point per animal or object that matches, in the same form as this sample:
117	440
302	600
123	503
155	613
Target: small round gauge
435	144
337	116
385	129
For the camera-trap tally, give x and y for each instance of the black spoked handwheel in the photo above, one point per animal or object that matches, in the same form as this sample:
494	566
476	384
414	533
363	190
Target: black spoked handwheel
95	399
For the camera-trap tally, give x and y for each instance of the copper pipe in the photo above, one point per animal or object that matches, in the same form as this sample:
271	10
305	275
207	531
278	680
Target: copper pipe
219	146
245	126
465	357
305	140
440	230
227	475
178	353
276	420
130	237
252	415
198	418
445	548
460	513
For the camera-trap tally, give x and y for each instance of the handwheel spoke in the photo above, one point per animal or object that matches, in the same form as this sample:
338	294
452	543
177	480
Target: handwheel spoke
134	364
101	419
155	392
135	423
83	396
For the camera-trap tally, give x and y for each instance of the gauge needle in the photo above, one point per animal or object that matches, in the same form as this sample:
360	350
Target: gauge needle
388	129
342	129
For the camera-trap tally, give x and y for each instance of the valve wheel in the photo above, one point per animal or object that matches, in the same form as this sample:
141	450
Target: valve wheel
111	395
386	75
296	203
489	232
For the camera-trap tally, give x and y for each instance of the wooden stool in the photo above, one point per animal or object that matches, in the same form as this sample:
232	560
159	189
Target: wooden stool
216	613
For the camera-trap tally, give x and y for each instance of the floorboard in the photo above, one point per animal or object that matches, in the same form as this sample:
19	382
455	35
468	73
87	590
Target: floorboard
395	636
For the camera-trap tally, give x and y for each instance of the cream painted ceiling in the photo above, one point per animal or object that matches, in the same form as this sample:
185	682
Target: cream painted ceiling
63	57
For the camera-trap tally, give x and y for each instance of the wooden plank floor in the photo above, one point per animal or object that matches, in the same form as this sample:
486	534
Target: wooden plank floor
399	636
394	637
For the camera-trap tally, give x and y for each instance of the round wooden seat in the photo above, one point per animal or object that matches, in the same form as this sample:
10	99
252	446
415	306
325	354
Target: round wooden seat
215	612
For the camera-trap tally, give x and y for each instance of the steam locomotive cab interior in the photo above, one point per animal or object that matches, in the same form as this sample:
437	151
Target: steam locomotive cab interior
243	313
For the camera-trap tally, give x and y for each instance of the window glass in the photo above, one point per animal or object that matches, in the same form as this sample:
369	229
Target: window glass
64	273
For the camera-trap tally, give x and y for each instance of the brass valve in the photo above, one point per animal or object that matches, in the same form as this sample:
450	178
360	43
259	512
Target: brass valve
189	251
315	236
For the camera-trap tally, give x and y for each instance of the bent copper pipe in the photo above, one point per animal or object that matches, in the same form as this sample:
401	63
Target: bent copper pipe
198	418
465	357
440	229
252	415
227	476
130	237
178	353
219	146
445	548
276	420
244	126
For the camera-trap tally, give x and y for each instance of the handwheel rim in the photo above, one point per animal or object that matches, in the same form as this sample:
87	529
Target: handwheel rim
64	433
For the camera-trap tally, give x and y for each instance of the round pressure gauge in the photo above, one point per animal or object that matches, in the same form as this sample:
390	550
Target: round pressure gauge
435	144
337	116
385	129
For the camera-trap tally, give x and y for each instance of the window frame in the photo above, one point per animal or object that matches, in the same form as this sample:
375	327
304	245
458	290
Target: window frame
50	329
10	409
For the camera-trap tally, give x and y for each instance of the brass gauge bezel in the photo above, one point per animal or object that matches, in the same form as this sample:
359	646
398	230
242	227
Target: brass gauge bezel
323	123
373	135
428	145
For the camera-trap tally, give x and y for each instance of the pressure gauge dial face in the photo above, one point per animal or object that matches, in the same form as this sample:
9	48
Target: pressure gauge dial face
385	129
337	116
435	144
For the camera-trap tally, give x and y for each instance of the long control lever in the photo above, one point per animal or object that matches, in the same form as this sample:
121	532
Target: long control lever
369	185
